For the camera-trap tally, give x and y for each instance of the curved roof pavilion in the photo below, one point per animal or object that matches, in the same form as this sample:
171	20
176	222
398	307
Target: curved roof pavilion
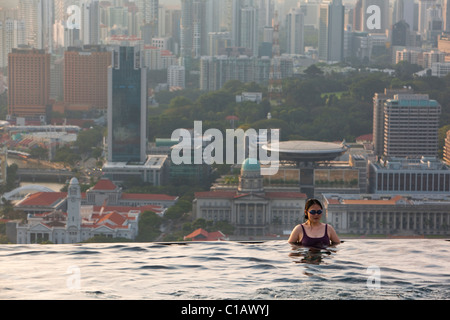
307	150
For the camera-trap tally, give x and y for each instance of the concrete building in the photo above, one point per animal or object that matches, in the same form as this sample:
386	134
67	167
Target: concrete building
447	148
295	31
76	224
396	215
411	126
378	116
413	176
176	77
28	82
73	217
86	76
331	31
252	210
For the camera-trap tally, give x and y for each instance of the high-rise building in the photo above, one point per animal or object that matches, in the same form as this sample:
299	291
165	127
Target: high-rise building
378	116
295	32
447	148
38	18
86	76
12	34
424	5
127	107
176	77
90	25
405	10
446	15
411	123
331	30
249	29
28	82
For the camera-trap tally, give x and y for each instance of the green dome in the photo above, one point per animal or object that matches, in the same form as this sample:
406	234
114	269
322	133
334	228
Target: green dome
251	164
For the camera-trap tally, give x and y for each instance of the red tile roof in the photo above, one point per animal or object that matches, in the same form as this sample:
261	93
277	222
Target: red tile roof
104	184
203	235
43	199
114	217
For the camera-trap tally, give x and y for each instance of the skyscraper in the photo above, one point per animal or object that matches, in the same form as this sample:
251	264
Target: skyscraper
411	123
424	5
249	29
86	76
378	116
127	107
28	82
38	18
446	15
295	31
331	30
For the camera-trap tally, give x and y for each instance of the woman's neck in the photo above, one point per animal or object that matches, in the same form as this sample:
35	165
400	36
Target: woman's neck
313	224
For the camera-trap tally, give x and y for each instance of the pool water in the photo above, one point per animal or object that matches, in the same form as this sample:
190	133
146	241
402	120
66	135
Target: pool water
356	269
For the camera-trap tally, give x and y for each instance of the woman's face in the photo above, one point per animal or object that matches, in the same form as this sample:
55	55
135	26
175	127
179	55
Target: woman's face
314	217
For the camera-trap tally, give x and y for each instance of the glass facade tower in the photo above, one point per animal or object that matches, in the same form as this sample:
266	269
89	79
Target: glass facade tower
127	108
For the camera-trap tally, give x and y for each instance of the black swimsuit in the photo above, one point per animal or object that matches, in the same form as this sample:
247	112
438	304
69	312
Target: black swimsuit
315	242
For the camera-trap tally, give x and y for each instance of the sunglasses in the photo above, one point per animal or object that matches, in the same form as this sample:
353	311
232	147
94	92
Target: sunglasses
315	212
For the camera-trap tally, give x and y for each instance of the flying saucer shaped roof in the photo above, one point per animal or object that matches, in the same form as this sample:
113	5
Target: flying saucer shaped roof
300	150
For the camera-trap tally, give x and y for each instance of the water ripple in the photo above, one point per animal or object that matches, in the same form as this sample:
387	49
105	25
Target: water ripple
227	270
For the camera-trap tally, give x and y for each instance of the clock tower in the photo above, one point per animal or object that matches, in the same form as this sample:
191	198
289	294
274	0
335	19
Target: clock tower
73	226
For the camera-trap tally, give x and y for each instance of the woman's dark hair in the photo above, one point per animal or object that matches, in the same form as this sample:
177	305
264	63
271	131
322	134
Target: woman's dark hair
309	203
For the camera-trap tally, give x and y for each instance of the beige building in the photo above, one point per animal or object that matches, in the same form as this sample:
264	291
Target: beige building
252	210
402	215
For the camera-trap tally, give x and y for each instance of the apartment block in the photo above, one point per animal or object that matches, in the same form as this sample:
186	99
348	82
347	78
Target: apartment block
86	76
28	82
411	123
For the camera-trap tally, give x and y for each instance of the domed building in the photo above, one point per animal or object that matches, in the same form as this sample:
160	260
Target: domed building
249	208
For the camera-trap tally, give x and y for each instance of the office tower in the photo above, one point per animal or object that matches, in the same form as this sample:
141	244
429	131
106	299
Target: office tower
295	32
249	29
127	107
176	77
217	42
411	123
38	18
404	10
331	31
447	148
236	19
149	10
446	15
378	116
86	76
191	27
12	34
28	82
310	9
90	22
216	71
401	34
424	5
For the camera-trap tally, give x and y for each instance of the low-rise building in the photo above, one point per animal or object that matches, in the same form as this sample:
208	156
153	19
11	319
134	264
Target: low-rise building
403	215
70	217
249	208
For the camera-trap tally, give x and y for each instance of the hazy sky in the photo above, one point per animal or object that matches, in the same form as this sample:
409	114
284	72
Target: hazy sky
13	3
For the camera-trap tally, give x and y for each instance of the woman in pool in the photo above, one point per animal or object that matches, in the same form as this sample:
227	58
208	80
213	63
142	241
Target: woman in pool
314	233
